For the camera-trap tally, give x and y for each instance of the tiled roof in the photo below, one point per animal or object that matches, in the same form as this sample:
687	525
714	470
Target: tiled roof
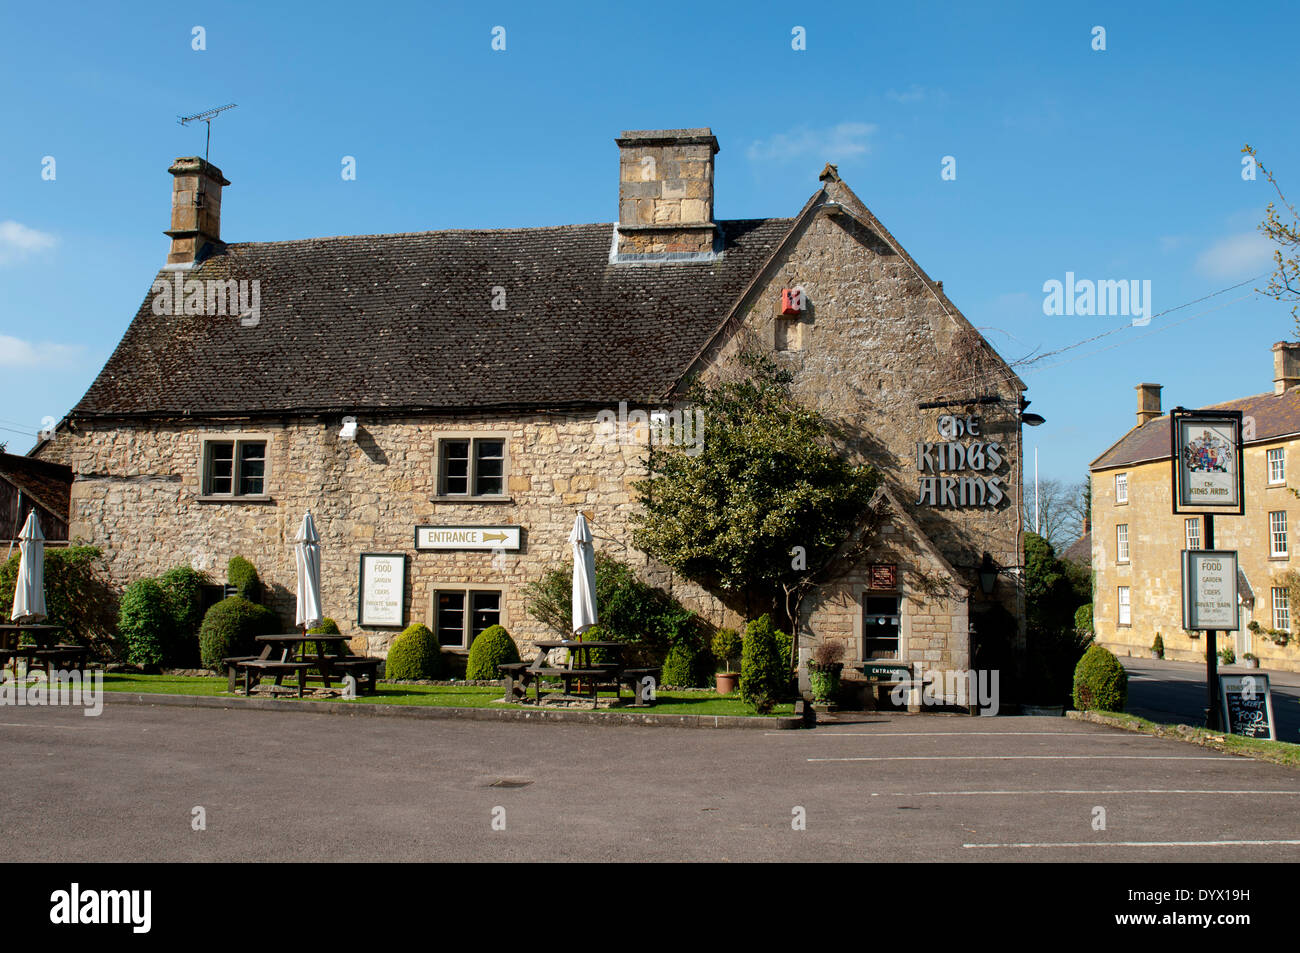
406	322
49	484
1275	415
1080	551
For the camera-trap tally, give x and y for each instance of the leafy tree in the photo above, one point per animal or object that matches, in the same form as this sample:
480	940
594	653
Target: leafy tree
1053	588
768	478
1283	229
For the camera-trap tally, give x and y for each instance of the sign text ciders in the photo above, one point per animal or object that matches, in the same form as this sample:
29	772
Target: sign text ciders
382	598
1210	590
1206	452
968	460
468	537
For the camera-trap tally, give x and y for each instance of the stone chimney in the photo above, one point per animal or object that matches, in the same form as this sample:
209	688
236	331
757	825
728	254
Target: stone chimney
196	209
665	193
1148	402
1286	366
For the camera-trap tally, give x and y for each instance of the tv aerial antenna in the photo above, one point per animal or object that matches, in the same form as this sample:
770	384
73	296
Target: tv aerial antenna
205	117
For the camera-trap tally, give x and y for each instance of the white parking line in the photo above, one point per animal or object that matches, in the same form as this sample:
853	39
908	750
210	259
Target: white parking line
1048	757
1155	843
19	724
1070	792
946	734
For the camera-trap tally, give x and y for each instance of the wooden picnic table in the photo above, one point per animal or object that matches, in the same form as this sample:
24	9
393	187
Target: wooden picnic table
287	653
590	675
45	651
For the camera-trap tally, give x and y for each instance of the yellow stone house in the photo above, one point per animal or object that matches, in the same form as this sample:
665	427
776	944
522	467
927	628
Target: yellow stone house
1137	538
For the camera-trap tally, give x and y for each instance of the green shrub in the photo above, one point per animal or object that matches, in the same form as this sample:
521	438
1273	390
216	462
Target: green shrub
491	648
77	597
1158	646
683	667
784	648
1050	662
231	628
414	654
762	676
183	587
1083	619
242	574
1100	682
1227	655
726	647
144	624
326	626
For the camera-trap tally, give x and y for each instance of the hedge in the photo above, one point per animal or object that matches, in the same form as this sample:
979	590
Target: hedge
231	628
414	654
144	624
763	677
1100	682
183	588
491	648
684	667
242	574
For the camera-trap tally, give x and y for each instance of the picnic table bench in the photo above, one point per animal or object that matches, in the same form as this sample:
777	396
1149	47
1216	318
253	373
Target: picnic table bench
295	660
518	676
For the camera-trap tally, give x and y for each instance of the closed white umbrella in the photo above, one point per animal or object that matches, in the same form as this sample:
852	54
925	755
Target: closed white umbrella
584	577
29	593
307	556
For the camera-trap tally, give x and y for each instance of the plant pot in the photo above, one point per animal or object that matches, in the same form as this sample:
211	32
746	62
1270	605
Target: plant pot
825	682
1251	663
1156	655
726	682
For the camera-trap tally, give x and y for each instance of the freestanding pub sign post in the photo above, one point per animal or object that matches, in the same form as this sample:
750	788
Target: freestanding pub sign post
1205	455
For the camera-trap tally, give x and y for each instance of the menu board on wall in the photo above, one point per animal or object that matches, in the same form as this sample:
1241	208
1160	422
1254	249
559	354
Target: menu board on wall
382	599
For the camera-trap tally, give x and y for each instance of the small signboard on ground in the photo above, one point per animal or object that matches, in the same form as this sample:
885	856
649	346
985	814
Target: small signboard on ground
1248	705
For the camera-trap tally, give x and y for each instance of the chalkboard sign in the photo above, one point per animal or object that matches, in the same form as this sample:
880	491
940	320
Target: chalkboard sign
1247	705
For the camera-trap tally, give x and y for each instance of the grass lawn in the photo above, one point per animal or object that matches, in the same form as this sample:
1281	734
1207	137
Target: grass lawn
450	696
1262	749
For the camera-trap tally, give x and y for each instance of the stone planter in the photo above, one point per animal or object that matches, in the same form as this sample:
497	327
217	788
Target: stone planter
726	682
825	682
1250	662
1047	710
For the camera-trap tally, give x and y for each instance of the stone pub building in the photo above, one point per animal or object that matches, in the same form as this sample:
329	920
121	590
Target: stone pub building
434	399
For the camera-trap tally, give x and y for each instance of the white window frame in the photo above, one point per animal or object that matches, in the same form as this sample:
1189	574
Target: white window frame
1192	532
237	440
1124	605
1277	535
474	438
1121	487
1281	609
468	590
1121	543
1276	458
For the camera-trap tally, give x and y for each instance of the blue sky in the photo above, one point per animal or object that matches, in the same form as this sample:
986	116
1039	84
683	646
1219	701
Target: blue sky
1114	164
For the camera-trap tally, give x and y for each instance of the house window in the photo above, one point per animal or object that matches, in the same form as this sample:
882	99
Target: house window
1277	465
1277	533
461	611
1193	532
234	468
1124	617
1121	540
880	620
472	467
1121	488
1281	610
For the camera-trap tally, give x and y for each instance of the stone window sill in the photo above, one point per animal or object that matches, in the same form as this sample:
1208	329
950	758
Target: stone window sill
471	499
261	498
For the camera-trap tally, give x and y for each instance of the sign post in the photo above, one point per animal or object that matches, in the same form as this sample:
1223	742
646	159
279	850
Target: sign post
1205	455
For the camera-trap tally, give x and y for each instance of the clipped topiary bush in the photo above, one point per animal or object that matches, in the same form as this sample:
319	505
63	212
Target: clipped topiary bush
491	648
231	627
414	654
143	622
1083	619
327	626
762	676
242	574
682	667
1100	682
183	587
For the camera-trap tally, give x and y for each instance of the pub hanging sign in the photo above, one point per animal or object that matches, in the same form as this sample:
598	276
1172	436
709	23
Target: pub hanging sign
957	470
1206	458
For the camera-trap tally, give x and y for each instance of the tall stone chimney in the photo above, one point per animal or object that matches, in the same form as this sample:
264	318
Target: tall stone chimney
1148	402
1286	366
196	209
665	193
